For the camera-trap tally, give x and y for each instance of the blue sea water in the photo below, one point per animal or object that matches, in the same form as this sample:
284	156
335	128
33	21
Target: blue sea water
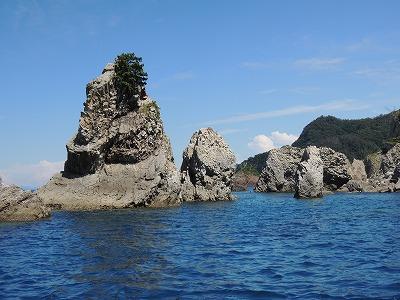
260	246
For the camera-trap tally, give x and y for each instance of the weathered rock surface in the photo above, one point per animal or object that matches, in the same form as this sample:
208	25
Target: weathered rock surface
309	175
337	168
19	205
358	171
279	172
242	181
120	156
207	168
390	161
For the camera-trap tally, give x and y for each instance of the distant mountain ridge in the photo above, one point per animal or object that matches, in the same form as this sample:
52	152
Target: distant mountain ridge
355	138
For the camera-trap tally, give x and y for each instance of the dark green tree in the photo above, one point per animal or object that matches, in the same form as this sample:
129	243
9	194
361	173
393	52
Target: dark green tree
130	78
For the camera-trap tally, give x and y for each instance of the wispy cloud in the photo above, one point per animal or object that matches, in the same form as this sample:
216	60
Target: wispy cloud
185	75
255	65
316	63
305	90
231	131
388	71
267	92
342	105
32	175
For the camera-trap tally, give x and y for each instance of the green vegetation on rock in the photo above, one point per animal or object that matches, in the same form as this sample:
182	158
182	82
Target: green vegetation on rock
130	77
355	138
253	165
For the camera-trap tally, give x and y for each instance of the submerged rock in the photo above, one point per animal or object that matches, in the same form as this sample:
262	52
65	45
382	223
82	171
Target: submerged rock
120	156
309	175
280	170
19	205
207	168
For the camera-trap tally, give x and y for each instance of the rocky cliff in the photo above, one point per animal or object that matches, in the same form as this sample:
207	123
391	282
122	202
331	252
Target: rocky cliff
207	167
120	156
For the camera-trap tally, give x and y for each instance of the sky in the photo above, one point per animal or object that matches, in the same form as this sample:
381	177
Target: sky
255	71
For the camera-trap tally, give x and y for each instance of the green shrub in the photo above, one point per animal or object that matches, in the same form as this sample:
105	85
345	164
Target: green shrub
130	77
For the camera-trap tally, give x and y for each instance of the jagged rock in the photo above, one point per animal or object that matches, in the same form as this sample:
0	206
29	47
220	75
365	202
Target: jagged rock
358	172
279	172
242	181
373	164
337	168
207	168
120	156
353	186
396	174
309	175
390	161
19	205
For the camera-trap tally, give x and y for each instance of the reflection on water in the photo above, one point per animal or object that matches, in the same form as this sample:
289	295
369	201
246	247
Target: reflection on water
259	246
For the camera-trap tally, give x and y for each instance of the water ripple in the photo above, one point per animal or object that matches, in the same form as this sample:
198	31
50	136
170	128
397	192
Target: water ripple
261	246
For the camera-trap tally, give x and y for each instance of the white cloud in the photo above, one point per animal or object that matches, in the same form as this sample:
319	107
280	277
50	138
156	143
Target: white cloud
31	175
261	143
283	138
342	105
319	63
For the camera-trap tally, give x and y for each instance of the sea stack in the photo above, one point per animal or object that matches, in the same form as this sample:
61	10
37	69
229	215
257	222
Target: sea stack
309	175
120	156
207	168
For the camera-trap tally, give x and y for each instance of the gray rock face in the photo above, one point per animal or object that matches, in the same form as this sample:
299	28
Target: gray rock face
396	174
390	161
358	170
337	169
279	172
207	168
309	175
19	205
120	156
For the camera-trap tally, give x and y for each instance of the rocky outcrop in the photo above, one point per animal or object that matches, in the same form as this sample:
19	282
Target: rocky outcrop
279	172
309	175
19	205
207	168
120	156
337	169
242	181
358	171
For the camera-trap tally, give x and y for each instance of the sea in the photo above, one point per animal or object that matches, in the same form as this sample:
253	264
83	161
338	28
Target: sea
259	246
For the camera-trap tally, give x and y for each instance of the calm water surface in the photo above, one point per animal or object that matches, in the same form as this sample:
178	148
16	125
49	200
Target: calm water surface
261	246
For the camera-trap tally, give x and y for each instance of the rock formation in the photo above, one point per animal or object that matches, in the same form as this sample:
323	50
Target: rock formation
279	172
309	175
207	168
242	181
19	205
120	156
337	169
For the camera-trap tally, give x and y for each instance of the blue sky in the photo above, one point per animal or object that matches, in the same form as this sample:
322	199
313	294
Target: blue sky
256	71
